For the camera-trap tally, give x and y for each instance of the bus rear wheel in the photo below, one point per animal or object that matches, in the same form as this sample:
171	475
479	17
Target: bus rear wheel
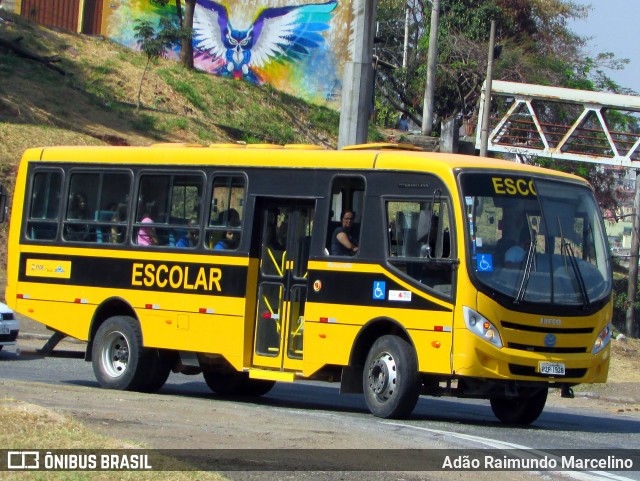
119	359
159	364
258	387
521	410
390	378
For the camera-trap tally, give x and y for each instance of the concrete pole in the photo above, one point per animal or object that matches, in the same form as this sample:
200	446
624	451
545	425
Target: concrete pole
432	58
632	285
405	47
357	79
484	132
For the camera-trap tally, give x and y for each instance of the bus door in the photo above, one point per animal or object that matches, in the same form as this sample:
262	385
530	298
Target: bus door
282	282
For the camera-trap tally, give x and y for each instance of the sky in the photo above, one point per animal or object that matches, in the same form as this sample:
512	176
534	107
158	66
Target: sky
613	24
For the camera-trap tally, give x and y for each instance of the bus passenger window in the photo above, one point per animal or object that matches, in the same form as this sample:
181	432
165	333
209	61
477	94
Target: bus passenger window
44	205
419	241
227	208
167	205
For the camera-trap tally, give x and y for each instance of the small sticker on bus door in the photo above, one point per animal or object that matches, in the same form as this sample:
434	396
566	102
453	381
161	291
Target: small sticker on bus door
403	296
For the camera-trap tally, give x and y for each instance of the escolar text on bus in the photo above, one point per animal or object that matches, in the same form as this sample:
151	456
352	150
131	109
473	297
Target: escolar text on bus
511	186
176	277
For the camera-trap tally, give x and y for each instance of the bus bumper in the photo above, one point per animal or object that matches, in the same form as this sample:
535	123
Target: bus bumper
477	358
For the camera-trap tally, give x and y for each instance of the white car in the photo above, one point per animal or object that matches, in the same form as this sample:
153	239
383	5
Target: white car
9	326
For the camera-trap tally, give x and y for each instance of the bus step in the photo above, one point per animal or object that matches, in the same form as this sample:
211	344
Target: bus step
285	376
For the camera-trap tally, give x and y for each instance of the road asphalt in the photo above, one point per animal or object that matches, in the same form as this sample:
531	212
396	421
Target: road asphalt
32	330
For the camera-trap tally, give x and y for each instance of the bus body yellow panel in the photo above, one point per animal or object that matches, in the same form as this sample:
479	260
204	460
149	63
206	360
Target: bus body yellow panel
494	276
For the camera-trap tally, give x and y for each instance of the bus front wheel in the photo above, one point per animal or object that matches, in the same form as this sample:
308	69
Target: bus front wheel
390	378
519	410
118	358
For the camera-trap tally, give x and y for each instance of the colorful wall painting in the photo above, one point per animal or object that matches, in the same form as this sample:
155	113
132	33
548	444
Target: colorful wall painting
296	46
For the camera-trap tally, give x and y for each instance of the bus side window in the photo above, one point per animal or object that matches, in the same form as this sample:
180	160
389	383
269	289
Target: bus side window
419	242
224	229
113	199
46	190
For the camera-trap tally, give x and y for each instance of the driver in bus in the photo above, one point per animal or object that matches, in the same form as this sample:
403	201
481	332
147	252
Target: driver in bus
342	241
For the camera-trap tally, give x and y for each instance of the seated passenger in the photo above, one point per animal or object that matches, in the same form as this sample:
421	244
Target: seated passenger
147	235
229	241
190	239
342	242
517	253
78	210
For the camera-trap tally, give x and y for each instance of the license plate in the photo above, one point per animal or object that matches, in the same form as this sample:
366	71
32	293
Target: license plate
4	330
552	368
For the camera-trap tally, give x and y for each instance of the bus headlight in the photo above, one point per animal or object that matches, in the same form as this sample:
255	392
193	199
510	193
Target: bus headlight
603	339
481	327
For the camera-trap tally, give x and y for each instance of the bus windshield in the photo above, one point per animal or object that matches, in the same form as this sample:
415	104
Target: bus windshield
535	240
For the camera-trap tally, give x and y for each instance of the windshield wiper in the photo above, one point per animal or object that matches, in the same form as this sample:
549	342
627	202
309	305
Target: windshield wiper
567	251
522	290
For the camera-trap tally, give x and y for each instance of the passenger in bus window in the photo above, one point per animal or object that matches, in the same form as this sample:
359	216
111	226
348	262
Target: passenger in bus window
117	232
228	242
516	254
78	210
233	218
147	235
190	239
342	242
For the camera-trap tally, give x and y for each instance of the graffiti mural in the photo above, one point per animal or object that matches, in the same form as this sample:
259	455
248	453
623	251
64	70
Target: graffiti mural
297	46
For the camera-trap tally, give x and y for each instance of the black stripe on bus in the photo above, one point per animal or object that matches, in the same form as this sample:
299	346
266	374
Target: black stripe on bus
357	288
159	276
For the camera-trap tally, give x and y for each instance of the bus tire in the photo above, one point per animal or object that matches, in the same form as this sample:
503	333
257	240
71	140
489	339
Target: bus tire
257	387
118	358
159	364
225	383
390	379
521	410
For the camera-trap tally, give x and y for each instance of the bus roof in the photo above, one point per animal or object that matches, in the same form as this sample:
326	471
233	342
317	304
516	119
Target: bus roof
363	157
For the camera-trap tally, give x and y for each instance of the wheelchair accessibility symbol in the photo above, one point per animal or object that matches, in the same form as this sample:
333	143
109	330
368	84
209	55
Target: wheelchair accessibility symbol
379	290
484	263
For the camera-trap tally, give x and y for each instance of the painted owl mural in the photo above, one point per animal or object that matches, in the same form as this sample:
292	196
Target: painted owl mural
297	46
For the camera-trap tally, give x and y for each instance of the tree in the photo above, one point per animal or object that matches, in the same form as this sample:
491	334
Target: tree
537	47
185	22
155	43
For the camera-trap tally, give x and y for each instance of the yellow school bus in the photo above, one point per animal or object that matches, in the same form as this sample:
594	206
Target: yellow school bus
396	273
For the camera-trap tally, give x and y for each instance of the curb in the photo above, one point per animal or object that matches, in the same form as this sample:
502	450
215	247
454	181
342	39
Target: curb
593	395
45	337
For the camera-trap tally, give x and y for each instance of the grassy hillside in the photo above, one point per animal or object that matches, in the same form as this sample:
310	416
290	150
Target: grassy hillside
93	102
88	95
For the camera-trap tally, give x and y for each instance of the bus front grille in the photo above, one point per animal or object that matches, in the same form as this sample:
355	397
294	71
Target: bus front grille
554	350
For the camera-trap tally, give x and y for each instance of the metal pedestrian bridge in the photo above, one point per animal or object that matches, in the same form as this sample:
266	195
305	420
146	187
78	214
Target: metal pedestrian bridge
563	124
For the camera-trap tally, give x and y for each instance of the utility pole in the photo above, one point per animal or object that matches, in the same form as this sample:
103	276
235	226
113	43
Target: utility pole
405	47
484	132
357	79
432	58
632	285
